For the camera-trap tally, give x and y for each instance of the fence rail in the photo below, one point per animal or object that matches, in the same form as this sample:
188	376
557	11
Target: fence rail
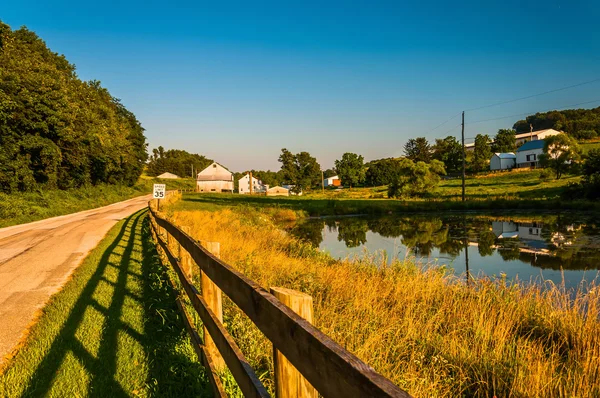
328	367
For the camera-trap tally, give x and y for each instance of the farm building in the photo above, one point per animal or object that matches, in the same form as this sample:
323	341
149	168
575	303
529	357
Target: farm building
278	191
523	137
214	178
332	181
503	161
529	153
291	189
535	135
257	185
168	175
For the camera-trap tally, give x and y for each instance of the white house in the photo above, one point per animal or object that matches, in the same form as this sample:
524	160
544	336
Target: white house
503	161
278	191
529	153
257	185
168	175
332	181
214	178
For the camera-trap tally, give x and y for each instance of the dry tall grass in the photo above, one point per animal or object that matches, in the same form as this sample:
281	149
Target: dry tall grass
429	333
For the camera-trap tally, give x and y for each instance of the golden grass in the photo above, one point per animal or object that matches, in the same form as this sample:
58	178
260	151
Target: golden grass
425	330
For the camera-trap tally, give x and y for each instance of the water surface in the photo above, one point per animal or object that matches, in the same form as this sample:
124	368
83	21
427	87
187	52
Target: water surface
530	248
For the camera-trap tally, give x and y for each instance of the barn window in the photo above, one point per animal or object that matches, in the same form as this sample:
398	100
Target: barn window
215	165
212	190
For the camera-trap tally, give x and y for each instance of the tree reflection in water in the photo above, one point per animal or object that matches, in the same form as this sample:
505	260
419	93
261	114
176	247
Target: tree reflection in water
548	241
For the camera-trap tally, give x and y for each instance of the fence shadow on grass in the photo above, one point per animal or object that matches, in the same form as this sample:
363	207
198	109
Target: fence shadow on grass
170	370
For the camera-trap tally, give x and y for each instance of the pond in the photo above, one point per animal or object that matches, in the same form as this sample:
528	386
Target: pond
531	248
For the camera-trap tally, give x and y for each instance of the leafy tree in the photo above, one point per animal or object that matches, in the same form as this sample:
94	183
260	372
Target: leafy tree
481	153
418	150
416	179
301	170
350	169
382	172
57	131
504	141
560	153
449	152
329	173
176	161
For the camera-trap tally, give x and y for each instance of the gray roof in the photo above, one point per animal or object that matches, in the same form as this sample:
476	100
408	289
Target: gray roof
508	155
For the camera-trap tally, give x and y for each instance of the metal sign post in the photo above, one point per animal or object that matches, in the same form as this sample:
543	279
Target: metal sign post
159	193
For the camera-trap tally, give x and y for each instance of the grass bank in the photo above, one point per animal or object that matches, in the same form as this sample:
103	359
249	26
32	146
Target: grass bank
424	329
23	207
316	206
112	331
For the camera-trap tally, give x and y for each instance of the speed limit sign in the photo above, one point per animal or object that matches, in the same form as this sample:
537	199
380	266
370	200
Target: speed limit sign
159	191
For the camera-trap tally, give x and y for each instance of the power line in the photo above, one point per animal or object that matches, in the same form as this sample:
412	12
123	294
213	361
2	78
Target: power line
532	96
529	113
440	125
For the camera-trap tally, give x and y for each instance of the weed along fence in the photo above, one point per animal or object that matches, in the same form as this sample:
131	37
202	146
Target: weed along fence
306	361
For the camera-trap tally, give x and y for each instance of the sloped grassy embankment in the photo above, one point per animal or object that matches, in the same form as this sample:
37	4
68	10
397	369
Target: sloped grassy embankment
422	328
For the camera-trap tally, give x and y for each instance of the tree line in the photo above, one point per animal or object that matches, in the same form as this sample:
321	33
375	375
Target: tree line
582	124
57	131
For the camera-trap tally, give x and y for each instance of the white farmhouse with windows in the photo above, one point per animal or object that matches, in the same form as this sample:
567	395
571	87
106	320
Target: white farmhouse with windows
214	178
257	185
528	154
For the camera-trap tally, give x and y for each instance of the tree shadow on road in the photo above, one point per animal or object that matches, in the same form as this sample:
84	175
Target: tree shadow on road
113	331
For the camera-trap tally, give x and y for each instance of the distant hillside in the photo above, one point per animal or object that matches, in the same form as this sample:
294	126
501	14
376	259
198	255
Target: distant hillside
57	131
580	123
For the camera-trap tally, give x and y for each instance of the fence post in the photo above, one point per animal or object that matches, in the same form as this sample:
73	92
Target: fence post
288	381
214	298
185	258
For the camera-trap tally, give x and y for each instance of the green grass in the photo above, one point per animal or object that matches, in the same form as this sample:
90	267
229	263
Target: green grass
23	207
588	146
112	331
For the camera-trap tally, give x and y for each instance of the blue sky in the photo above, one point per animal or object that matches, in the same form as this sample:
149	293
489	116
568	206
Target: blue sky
238	81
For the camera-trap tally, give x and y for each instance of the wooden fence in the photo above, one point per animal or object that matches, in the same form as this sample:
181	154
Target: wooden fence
321	362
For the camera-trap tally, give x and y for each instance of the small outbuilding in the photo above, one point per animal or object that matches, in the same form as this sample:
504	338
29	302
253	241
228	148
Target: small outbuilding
168	176
278	191
214	178
503	161
332	181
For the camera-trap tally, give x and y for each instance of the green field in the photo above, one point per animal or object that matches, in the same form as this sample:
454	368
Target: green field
22	207
503	191
113	330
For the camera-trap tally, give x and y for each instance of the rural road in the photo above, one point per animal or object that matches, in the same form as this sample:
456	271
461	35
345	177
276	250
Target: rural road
36	260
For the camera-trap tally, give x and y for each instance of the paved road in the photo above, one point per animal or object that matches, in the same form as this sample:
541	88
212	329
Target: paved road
37	258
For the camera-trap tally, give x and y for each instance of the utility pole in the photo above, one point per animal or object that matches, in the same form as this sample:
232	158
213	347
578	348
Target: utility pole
250	183
322	182
463	156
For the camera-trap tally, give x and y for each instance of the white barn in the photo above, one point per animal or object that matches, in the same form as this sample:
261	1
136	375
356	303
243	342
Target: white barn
503	161
278	191
214	178
333	181
535	135
257	185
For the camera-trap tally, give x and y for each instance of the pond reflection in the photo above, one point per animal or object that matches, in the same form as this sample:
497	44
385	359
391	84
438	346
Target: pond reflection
495	244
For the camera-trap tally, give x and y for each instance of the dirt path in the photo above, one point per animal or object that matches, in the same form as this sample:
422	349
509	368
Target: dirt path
37	258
